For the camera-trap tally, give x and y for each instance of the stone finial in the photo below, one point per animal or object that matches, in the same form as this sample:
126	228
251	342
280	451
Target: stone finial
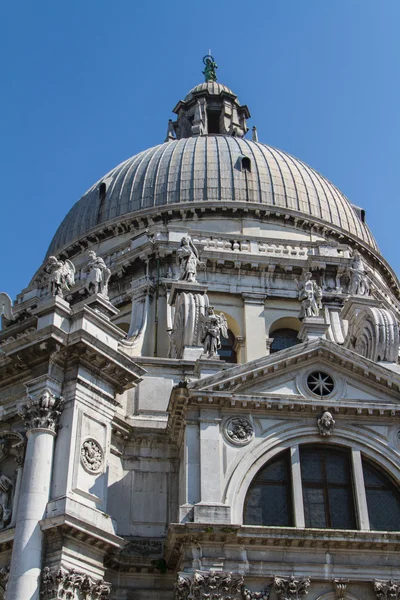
60	276
254	134
326	423
42	412
98	275
70	582
310	296
387	589
359	282
291	588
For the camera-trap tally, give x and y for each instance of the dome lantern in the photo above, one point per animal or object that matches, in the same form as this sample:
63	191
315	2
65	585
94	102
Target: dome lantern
209	109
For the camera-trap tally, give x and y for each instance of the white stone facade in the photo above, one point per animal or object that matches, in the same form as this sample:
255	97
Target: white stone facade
132	455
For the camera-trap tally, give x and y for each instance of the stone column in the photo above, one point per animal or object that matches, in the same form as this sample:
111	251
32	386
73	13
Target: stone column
41	416
254	323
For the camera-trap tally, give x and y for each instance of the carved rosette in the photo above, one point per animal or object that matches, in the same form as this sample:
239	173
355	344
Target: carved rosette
239	431
92	456
291	588
42	412
71	584
218	586
387	589
326	424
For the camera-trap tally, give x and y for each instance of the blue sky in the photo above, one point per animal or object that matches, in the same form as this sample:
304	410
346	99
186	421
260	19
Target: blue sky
88	83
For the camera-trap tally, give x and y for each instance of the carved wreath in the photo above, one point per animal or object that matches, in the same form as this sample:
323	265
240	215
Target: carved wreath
92	456
239	431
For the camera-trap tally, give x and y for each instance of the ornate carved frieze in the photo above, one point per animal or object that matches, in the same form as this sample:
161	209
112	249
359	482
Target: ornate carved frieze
92	456
239	431
387	589
291	588
211	585
71	584
42	412
326	423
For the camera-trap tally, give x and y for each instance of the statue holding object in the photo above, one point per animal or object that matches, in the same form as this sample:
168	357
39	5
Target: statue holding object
359	284
188	258
210	68
98	275
310	296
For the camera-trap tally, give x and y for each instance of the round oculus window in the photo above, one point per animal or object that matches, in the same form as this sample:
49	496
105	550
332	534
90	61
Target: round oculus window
320	383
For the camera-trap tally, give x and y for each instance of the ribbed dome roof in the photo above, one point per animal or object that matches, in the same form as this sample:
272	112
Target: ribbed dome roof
212	87
207	168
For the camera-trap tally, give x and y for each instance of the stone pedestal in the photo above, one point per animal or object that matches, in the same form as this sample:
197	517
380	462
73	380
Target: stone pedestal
313	328
190	301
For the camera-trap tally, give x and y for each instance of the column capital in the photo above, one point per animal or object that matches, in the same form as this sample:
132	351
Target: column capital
42	411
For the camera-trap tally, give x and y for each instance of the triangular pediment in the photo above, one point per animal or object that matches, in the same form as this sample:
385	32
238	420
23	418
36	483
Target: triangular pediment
285	373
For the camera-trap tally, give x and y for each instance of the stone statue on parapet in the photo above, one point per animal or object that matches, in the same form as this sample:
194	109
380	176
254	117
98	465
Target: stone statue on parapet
213	326
210	68
6	310
188	258
60	276
359	282
310	296
98	275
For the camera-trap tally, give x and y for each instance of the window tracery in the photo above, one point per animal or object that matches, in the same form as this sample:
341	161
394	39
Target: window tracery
328	492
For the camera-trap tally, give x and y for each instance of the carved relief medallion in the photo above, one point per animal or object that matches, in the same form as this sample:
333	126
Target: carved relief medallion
92	456
239	431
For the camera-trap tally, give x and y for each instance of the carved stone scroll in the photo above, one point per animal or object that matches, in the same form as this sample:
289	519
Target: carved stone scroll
191	302
374	334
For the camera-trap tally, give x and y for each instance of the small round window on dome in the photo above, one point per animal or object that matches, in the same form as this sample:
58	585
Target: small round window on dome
320	383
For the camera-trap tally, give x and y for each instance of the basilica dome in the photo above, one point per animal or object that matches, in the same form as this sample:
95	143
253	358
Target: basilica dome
211	168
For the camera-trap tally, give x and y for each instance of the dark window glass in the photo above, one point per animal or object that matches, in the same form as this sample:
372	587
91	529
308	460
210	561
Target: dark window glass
383	499
213	120
268	500
327	488
283	338
226	351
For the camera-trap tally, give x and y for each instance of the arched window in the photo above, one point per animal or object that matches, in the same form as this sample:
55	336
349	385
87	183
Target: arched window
268	501
325	495
283	338
227	351
383	499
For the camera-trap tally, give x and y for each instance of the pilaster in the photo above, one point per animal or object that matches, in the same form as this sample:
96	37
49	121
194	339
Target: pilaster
254	325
